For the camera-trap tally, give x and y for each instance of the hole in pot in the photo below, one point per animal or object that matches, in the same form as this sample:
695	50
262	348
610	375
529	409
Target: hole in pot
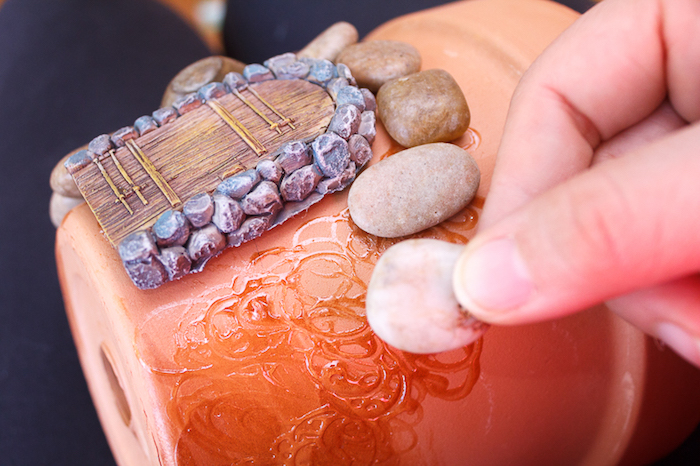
117	390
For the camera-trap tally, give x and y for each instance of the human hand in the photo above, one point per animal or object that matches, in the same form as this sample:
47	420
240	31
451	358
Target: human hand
595	196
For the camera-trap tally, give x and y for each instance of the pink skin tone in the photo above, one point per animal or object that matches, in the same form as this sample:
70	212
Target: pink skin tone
596	192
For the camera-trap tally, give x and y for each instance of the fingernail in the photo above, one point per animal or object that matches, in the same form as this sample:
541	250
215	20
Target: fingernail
495	276
680	340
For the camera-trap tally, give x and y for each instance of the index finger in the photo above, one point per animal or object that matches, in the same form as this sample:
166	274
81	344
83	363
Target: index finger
607	72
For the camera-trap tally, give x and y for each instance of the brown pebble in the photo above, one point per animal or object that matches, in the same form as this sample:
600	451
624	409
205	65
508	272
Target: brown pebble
413	190
62	182
328	44
423	108
375	62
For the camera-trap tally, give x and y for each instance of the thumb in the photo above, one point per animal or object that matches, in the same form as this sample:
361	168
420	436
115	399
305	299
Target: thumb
623	225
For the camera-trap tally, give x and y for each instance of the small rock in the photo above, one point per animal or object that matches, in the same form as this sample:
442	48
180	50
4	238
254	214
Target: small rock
264	199
62	182
123	134
360	150
351	95
331	154
410	303
299	184
146	274
345	121
321	72
101	144
338	183
78	161
228	214
199	209
423	108
238	185
187	103
145	124
197	74
294	155
204	244
171	229
235	81
250	229
212	91
286	66
413	190
176	262
368	126
370	100
344	72
279	61
139	245
328	44
376	62
256	73
269	170
335	85
164	115
60	205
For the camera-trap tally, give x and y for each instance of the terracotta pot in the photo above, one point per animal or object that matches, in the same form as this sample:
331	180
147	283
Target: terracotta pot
266	357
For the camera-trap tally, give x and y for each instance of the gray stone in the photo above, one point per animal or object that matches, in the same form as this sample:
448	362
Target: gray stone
187	103
360	150
278	61
199	209
351	95
321	72
335	85
139	245
176	262
146	274
410	303
252	228
370	100
368	126
228	214
338	183
345	121
123	134
344	72
78	161
264	199
235	81
240	184
423	108
171	229
294	155
256	73
413	190
299	184
212	91
269	170
145	124
331	154
101	144
204	244
164	115
296	70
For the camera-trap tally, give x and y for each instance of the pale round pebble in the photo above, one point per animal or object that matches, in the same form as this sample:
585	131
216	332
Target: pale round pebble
413	190
60	205
422	108
410	302
376	62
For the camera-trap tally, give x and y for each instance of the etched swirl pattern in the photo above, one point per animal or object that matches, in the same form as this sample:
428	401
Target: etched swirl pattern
285	369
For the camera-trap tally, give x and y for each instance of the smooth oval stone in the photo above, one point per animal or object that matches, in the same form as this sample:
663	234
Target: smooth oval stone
376	62
422	108
413	190
410	302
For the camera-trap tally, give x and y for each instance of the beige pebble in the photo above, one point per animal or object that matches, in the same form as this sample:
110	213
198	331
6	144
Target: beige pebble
328	44
410	302
413	190
61	182
60	205
376	62
422	108
197	74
